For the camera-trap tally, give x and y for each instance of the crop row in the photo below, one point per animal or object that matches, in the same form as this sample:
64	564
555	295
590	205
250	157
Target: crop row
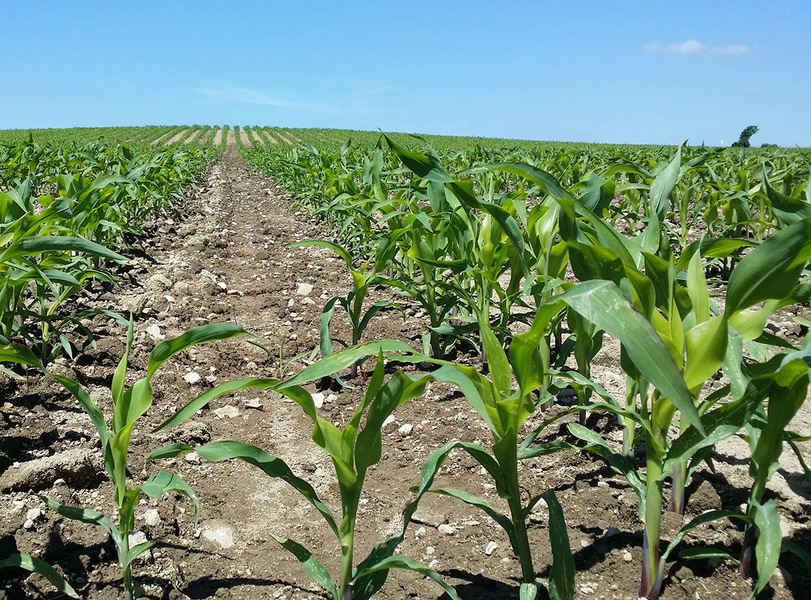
64	211
626	244
562	245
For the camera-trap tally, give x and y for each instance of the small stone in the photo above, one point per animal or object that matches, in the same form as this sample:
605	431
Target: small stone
332	398
137	537
611	532
227	411
29	524
152	517
33	514
406	429
304	289
419	533
429	551
253	403
220	534
447	529
222	285
154	330
318	399
387	421
193	458
491	547
192	378
627	557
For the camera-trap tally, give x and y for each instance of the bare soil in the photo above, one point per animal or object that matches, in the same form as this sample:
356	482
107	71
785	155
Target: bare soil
227	261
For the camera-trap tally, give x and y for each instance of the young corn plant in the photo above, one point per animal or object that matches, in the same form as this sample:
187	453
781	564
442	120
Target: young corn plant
653	346
504	410
784	380
353	451
352	303
129	404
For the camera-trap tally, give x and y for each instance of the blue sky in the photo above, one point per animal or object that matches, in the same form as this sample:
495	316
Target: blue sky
592	71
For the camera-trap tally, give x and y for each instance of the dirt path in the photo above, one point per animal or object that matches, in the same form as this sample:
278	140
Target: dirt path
177	137
227	261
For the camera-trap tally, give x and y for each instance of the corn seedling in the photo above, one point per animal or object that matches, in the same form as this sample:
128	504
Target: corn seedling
129	404
362	280
504	410
353	451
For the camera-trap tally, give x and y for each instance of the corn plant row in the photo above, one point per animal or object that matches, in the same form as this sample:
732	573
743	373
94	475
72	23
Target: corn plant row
497	243
482	249
65	213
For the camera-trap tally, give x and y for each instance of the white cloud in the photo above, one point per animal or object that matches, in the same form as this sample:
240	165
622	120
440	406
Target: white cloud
234	93
696	47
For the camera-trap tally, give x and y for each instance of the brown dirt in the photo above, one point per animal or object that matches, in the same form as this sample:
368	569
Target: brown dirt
270	138
177	137
259	139
244	139
227	261
194	134
217	137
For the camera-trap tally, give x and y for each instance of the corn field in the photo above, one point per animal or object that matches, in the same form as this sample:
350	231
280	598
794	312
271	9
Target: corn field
424	366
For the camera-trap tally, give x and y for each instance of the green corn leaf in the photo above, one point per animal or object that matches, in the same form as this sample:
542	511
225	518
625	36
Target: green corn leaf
424	165
719	424
85	515
338	249
711	248
325	340
402	562
705	554
17	353
771	270
798	551
157	485
311	564
525	358
707	517
662	186
398	390
434	462
787	209
203	399
270	465
199	335
497	360
767	549
697	289
38	244
36	565
529	591
341	360
595	262
491	512
135	551
561	576
706	350
90	407
541	178
597	445
602	303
